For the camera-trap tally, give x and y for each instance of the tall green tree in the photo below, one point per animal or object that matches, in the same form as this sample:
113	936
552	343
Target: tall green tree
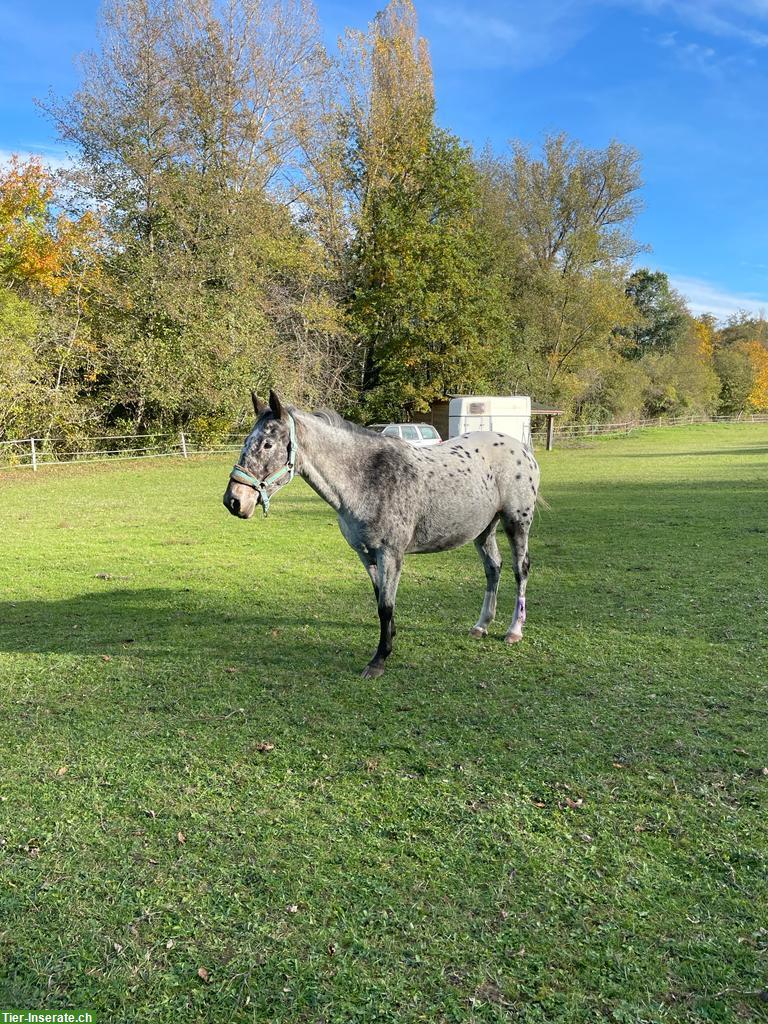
663	319
562	223
423	288
417	268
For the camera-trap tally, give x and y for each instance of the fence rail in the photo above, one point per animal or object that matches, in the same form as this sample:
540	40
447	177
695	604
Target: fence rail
32	453
579	431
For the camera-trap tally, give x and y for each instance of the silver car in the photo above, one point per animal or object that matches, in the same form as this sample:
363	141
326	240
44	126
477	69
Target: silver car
421	435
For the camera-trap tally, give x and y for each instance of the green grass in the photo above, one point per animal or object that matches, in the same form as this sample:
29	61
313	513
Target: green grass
570	830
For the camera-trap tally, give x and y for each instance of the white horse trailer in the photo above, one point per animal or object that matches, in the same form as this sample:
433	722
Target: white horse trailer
508	414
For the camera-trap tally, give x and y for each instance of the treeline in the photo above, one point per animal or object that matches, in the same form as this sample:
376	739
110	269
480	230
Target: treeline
247	210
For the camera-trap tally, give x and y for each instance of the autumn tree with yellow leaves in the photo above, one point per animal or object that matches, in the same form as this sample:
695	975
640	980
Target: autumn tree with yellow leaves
49	273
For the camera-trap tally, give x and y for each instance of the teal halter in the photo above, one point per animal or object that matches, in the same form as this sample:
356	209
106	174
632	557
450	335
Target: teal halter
241	475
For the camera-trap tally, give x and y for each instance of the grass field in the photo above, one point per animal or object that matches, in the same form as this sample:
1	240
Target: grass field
207	815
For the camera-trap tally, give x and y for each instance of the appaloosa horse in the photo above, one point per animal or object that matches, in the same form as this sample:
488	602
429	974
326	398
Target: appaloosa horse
393	499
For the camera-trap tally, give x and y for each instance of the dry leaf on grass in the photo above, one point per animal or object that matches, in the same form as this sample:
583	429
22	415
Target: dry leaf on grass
202	973
573	804
264	748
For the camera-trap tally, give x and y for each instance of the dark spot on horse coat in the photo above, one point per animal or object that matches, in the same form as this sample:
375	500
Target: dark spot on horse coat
385	469
518	476
519	462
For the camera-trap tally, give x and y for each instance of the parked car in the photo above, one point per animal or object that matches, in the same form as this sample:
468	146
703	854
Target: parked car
419	434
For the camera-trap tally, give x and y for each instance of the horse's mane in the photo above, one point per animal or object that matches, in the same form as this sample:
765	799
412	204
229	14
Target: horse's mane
335	420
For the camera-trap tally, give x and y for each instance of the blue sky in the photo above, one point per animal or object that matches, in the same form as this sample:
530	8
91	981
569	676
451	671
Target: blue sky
684	81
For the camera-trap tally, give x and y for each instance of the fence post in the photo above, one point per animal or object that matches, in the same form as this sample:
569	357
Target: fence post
34	454
183	444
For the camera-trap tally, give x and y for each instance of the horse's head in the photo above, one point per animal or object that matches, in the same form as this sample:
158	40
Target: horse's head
266	461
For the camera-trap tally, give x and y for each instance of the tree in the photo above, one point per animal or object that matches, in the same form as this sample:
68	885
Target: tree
49	269
423	295
663	318
704	329
680	381
736	373
562	229
757	353
743	326
416	268
189	123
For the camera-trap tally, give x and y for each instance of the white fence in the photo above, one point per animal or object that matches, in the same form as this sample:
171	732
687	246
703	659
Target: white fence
579	431
32	453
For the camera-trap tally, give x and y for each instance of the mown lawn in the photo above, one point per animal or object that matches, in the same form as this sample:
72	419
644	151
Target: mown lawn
207	815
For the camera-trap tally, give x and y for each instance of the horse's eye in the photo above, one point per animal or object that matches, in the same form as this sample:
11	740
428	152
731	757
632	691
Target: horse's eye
267	444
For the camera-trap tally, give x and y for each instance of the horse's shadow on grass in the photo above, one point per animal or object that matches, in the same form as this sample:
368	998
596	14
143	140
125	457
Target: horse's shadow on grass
167	624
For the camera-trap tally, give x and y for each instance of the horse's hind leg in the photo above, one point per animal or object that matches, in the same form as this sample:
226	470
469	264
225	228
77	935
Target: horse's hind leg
517	532
488	550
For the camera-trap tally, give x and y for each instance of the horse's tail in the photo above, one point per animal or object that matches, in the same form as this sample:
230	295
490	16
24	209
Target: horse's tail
541	502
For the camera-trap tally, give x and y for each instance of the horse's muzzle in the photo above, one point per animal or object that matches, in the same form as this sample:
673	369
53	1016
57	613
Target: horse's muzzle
236	506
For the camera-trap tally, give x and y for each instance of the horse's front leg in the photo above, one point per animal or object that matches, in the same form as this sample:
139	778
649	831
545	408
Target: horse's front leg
388	566
370	568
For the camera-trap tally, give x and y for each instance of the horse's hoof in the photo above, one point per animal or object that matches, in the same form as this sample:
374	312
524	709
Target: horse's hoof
478	632
373	671
513	638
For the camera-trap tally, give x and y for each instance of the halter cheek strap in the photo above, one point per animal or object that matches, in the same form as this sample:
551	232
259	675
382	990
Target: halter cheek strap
240	475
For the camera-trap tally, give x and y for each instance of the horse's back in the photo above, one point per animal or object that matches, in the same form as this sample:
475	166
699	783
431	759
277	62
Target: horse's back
466	483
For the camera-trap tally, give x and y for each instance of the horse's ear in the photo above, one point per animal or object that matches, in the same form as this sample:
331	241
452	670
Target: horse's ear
276	406
259	405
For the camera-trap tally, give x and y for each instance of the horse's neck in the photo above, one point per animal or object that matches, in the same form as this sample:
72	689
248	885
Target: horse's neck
327	456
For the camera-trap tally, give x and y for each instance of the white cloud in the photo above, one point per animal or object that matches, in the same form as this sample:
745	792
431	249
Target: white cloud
518	34
746	20
705	297
54	157
716	17
478	24
514	34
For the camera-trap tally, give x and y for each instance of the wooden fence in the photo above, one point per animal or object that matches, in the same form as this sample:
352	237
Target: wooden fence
34	453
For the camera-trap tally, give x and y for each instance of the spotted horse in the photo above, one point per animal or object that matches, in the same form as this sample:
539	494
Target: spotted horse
393	499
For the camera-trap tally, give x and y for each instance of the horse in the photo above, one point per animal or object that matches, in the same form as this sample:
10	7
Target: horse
393	499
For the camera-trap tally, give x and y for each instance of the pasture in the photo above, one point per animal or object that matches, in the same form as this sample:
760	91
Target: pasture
207	815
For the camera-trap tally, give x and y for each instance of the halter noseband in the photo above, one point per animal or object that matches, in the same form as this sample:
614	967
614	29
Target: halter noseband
240	475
